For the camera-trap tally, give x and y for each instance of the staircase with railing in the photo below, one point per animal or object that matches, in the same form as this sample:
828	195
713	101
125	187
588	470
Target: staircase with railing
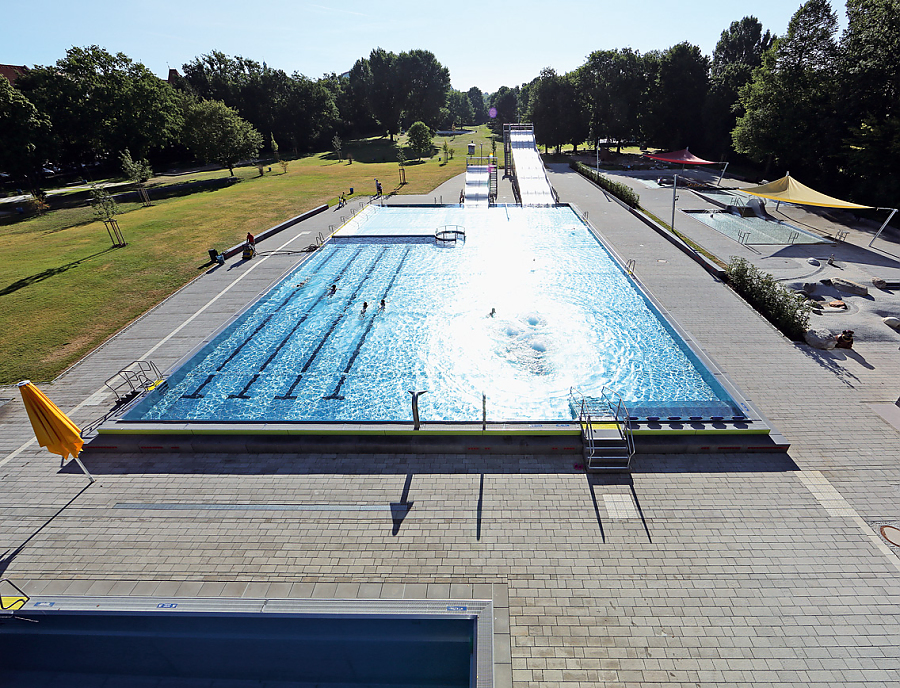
606	432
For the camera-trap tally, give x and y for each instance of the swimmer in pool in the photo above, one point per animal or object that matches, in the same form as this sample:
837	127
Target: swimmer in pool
382	305
493	312
365	306
333	290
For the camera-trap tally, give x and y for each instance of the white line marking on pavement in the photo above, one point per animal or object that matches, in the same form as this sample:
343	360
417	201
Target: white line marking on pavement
89	401
832	501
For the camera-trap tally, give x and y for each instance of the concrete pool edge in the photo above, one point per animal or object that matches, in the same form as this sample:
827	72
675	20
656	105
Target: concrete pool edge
678	430
490	655
458	438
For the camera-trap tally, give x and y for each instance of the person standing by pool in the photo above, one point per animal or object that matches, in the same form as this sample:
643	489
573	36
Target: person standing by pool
377	187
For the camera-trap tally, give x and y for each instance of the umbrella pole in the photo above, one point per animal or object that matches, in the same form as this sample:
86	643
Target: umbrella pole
81	465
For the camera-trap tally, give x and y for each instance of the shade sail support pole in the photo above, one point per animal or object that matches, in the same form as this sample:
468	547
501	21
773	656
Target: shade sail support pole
674	198
719	183
890	217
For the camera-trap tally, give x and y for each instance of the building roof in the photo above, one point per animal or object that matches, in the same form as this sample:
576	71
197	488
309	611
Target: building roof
12	72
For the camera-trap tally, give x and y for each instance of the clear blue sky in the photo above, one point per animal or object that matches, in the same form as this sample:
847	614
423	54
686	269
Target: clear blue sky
484	44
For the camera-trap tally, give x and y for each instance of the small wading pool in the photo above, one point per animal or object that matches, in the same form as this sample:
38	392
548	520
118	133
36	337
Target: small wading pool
749	230
528	306
187	643
754	230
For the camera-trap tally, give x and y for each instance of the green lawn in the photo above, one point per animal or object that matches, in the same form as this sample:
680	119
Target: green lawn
64	290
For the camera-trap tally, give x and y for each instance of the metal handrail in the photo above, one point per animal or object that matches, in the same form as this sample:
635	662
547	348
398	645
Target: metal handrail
450	233
612	407
622	416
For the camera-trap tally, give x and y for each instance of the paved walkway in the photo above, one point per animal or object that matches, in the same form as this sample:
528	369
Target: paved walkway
853	258
695	570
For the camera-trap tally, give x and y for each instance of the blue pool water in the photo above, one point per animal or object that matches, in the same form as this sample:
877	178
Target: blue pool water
193	650
565	315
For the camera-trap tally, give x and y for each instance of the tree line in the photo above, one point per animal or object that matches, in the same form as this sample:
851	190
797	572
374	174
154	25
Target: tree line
93	106
821	106
817	104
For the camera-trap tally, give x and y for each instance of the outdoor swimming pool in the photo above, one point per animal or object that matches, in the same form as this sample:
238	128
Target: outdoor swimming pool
749	230
528	305
154	643
754	230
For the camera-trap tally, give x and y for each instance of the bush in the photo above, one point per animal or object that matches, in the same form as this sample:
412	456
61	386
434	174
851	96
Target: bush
785	309
419	139
620	191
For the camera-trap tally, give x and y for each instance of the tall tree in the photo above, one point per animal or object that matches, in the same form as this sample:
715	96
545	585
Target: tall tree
555	110
675	97
294	107
790	116
476	98
613	84
459	109
870	97
506	102
738	52
100	104
308	116
424	85
23	129
576	115
215	132
384	94
350	95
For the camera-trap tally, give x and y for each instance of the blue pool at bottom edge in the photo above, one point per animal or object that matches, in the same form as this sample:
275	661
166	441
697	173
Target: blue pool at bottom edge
187	650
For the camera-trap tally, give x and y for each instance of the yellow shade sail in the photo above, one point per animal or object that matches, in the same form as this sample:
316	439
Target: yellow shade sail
789	190
52	427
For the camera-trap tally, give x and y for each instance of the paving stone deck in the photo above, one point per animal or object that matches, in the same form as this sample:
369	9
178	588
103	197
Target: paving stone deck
695	570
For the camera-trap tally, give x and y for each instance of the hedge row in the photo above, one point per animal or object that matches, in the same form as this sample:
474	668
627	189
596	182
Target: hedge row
620	191
785	309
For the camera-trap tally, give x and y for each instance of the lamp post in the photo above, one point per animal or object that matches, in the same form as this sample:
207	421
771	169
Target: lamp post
674	197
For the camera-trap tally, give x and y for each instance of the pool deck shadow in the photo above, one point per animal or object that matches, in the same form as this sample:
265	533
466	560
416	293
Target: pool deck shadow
164	463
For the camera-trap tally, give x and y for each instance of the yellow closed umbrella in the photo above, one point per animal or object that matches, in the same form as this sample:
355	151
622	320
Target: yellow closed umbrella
52	428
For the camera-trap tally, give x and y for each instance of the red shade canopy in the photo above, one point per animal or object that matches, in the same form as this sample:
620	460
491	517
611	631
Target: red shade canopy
680	157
